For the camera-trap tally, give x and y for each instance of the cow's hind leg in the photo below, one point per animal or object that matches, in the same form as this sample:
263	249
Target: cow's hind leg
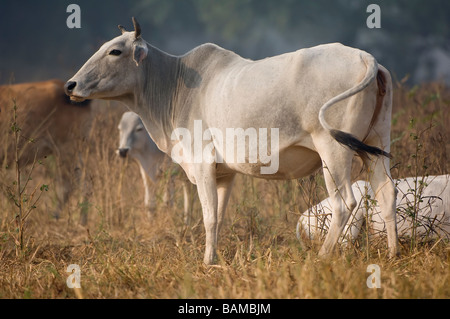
385	194
337	164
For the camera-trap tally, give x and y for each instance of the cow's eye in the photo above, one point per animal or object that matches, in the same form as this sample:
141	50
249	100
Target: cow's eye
115	52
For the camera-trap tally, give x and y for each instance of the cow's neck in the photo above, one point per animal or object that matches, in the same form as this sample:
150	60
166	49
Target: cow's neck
169	85
157	97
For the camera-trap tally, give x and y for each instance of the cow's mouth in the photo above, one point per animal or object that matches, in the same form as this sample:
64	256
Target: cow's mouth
77	98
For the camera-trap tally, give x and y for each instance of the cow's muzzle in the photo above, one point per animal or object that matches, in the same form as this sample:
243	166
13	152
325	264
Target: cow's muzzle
68	89
123	152
69	86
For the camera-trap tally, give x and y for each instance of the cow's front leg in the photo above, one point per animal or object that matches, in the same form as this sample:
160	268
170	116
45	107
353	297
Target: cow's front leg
205	177
149	193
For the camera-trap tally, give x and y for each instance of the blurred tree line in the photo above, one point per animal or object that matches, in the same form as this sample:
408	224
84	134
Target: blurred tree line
35	42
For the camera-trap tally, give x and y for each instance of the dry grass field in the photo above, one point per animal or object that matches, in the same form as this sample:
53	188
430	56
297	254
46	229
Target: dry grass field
123	254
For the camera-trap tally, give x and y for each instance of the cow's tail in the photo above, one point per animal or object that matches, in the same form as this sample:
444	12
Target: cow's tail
348	139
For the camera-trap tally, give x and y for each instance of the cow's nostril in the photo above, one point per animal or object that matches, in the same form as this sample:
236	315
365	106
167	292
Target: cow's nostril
70	85
123	152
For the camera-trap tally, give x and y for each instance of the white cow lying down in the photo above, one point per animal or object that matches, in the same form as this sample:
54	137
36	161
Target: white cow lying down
433	218
135	141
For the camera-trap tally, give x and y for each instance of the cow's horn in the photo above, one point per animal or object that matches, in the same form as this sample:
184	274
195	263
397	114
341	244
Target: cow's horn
137	28
122	29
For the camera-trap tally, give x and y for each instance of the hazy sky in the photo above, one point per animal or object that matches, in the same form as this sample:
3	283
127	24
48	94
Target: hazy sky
36	44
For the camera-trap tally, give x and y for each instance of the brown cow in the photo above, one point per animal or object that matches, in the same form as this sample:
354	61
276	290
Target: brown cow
50	125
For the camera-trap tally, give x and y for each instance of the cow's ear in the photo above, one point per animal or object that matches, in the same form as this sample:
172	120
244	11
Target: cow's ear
140	51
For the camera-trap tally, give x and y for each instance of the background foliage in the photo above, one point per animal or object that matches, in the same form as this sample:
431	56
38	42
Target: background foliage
35	42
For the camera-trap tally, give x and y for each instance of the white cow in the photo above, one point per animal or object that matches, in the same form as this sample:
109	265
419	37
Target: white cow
322	102
428	196
135	141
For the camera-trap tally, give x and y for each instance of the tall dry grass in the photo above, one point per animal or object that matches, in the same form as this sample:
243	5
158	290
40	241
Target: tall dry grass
122	254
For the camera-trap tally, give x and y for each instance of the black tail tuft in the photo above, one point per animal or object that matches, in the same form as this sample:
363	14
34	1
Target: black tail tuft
356	145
